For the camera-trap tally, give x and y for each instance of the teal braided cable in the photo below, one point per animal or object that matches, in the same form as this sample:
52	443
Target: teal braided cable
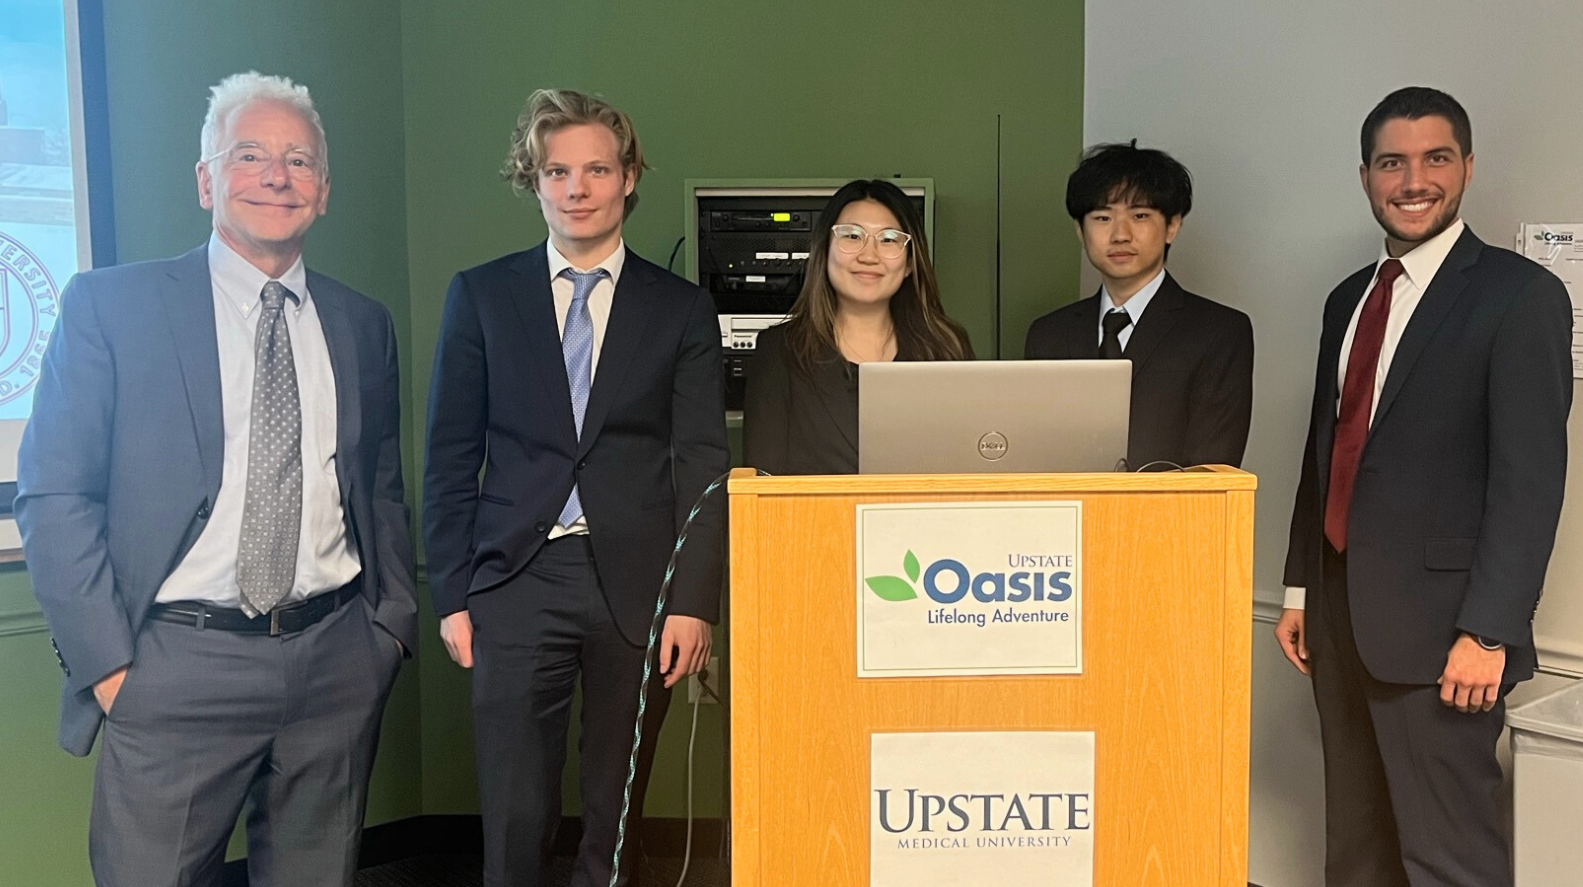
648	661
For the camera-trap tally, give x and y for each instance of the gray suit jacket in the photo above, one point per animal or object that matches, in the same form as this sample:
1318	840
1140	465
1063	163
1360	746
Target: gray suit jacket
120	462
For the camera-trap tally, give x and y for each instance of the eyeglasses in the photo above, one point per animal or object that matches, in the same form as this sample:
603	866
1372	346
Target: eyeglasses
889	243
251	160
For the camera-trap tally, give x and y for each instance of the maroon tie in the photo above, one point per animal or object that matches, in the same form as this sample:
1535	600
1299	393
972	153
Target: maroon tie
1357	397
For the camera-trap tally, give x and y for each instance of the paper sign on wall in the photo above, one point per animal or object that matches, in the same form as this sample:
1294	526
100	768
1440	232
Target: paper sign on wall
1560	248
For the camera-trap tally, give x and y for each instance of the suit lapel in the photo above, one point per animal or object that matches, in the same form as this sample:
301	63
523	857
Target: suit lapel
189	311
341	341
1448	284
629	320
1080	339
1155	324
535	306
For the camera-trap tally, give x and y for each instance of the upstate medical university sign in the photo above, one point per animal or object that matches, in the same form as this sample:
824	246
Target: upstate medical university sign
982	809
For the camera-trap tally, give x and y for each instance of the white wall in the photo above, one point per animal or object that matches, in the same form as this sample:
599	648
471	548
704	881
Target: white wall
1263	102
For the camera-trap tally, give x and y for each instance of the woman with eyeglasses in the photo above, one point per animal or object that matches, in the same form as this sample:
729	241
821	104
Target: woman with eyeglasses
869	294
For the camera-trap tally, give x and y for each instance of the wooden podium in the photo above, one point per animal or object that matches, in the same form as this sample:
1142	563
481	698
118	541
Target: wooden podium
1167	617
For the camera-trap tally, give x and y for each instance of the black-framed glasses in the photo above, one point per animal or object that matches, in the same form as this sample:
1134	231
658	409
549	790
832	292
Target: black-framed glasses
890	243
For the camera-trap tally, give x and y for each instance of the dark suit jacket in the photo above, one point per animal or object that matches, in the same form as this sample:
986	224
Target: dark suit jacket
794	424
653	438
1192	373
1458	491
121	460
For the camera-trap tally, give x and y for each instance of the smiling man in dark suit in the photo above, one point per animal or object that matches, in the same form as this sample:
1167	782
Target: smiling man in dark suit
211	505
1192	359
1426	511
586	384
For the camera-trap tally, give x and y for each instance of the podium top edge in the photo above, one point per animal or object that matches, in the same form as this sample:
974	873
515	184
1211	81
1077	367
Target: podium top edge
1203	479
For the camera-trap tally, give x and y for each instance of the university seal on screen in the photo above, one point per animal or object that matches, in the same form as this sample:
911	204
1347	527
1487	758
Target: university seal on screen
969	588
29	306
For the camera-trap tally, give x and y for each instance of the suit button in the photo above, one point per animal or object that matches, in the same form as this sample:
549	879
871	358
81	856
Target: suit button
203	510
540	527
581	464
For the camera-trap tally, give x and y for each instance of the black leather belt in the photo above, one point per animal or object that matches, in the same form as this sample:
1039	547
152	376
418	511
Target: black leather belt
281	620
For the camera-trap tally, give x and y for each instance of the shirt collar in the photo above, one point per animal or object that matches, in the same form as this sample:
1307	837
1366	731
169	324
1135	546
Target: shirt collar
611	265
1135	305
1425	259
241	281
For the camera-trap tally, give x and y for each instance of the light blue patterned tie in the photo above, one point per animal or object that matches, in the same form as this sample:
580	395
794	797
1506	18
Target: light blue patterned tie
577	345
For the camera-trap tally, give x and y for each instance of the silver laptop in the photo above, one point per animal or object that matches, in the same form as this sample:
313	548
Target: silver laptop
970	416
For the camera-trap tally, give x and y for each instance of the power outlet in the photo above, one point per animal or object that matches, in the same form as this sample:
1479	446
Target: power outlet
694	690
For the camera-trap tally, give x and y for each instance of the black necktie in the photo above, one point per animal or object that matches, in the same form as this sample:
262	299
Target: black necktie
1114	322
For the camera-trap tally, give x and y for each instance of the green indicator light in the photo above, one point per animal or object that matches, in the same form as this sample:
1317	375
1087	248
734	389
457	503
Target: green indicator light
780	217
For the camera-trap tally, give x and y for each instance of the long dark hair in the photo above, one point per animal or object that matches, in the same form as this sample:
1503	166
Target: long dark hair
923	331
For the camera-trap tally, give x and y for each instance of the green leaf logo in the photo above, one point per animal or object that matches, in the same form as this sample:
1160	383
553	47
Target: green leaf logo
891	588
895	588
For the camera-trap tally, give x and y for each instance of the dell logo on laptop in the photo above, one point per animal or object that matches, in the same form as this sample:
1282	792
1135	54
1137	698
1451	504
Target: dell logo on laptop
992	446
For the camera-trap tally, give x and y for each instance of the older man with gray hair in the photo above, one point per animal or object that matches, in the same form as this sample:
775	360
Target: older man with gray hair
212	509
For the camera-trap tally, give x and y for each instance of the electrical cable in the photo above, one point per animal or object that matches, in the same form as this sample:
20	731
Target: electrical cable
703	685
643	687
672	260
692	737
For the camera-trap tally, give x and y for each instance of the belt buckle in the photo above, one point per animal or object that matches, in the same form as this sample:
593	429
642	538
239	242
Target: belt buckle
274	622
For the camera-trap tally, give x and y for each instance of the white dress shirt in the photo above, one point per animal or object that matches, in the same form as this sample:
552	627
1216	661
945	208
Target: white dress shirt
326	559
599	302
1133	306
1420	267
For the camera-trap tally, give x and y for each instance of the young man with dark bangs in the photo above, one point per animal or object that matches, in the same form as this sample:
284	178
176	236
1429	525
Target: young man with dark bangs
1192	359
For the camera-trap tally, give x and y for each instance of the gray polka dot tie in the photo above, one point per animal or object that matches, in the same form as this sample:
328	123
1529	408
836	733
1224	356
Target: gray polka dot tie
266	561
577	347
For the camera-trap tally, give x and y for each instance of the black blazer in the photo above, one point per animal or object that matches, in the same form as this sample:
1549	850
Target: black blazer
1458	492
120	463
1192	373
793	424
653	438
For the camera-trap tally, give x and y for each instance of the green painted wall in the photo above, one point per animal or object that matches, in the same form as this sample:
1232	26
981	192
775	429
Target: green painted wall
162	55
825	88
419	98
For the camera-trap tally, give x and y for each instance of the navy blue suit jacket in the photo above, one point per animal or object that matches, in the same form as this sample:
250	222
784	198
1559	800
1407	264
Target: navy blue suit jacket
653	438
1459	486
120	462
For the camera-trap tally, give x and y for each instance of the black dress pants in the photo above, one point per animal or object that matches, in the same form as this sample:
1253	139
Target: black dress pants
532	638
1411	784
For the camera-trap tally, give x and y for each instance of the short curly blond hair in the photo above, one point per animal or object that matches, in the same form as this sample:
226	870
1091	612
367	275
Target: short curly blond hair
548	110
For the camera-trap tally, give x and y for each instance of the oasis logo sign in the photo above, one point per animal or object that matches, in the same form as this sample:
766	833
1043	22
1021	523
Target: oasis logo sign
948	581
1553	236
998	590
988	808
